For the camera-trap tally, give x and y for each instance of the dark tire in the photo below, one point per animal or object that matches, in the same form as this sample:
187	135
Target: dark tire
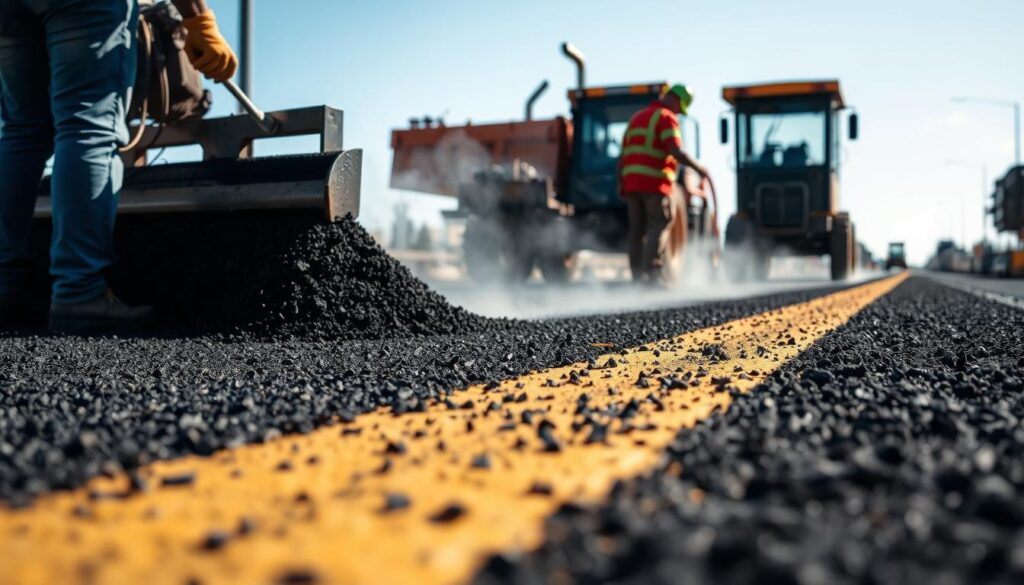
854	250
557	269
840	247
490	256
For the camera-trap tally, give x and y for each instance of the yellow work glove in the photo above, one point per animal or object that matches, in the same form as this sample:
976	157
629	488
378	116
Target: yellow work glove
207	48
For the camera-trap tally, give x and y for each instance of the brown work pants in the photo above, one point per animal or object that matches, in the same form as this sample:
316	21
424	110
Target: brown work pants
650	215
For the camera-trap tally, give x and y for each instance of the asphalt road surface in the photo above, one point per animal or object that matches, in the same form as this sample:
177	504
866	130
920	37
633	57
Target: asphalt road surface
863	433
1007	290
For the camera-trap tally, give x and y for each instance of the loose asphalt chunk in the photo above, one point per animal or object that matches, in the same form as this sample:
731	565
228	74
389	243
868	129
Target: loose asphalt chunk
892	451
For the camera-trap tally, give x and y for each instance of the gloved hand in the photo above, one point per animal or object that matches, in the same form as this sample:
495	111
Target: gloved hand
207	48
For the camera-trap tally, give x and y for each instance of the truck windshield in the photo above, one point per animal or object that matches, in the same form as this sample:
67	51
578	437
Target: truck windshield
896	250
602	125
782	139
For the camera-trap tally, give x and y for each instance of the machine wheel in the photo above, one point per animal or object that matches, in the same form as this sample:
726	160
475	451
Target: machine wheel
742	258
854	250
490	256
840	247
558	268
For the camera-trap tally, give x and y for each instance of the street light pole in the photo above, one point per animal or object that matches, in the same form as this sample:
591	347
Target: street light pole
1006	104
245	49
984	204
1016	132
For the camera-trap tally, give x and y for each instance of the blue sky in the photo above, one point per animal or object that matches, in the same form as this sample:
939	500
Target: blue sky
900	62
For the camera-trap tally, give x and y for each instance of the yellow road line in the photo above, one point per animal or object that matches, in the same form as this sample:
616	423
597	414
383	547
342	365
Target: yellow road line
314	505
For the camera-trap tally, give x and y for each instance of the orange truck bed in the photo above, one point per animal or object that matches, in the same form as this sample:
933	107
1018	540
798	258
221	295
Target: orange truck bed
437	159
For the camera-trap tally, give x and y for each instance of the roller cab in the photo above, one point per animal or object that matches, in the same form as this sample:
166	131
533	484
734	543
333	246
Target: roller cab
786	138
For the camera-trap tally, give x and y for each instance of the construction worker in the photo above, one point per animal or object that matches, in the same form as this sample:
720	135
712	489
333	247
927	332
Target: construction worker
66	71
651	154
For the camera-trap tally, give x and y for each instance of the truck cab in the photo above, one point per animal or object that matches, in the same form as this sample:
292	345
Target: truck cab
897	257
600	116
787	176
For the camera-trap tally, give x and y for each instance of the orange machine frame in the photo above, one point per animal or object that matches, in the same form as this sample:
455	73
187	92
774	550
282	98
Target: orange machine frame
437	159
786	88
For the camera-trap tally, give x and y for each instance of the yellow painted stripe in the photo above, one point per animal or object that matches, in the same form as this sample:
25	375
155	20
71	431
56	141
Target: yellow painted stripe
321	512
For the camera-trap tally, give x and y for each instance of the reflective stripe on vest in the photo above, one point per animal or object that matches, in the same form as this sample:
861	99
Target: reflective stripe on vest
648	172
648	149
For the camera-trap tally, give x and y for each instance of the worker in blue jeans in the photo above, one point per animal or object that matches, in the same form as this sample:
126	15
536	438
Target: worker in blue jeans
67	68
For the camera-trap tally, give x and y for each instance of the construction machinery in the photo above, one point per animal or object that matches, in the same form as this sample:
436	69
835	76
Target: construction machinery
229	179
536	192
897	257
1008	217
168	213
787	177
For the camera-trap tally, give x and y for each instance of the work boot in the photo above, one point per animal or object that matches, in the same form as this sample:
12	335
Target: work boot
103	314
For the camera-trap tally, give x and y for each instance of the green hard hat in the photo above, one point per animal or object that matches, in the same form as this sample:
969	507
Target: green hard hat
682	91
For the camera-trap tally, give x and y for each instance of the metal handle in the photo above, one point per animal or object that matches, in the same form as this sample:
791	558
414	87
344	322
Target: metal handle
266	122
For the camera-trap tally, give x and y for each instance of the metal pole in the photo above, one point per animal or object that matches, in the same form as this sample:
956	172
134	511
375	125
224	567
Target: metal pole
266	123
984	204
1016	130
534	97
963	222
245	49
577	57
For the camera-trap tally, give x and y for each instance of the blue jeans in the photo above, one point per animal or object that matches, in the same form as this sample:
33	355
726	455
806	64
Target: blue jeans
66	70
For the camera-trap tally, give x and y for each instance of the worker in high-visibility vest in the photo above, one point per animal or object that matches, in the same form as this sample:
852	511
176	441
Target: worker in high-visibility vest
651	157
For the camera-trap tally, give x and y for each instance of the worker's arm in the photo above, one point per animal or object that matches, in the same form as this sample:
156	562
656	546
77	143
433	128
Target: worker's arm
671	136
687	160
205	46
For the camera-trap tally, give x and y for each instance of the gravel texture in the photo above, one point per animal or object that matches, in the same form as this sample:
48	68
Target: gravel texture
336	283
73	408
892	451
270	277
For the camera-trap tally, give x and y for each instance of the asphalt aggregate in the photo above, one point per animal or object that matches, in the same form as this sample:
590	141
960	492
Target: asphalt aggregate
889	452
265	275
336	283
334	328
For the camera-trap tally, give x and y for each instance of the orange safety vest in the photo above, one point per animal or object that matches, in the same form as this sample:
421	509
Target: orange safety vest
646	165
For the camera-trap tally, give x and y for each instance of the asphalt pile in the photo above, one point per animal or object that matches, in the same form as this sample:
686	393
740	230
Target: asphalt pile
74	408
289	276
335	282
253	276
890	452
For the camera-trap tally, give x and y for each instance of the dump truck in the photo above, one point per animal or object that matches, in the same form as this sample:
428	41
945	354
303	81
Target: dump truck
787	177
534	193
